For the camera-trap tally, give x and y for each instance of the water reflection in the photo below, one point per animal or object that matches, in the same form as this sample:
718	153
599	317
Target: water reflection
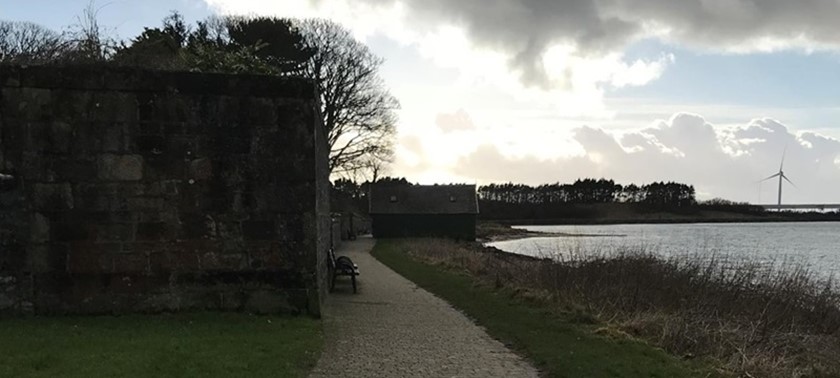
812	245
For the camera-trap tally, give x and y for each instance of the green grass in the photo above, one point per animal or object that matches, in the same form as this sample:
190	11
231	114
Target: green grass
558	344
182	345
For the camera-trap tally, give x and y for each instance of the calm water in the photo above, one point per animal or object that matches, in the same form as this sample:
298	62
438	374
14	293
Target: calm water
816	245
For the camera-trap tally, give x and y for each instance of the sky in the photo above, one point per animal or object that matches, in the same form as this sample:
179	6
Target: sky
712	93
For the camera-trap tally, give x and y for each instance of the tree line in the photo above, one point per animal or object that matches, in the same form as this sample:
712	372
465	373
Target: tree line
358	112
519	201
591	191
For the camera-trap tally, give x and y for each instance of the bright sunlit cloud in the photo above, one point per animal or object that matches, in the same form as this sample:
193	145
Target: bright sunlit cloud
575	80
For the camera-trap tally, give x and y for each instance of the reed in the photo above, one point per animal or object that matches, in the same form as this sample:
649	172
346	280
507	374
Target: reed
763	319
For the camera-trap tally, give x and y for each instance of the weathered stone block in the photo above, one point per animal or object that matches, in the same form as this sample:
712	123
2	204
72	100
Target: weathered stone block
183	147
120	167
72	170
129	287
201	169
151	144
10	103
53	197
144	247
100	202
70	232
110	247
72	106
229	229
8	302
34	166
153	231
131	263
87	260
233	145
115	139
35	104
214	261
146	204
197	226
266	255
268	302
148	128
291	227
69	77
183	261
10	76
162	168
159	263
39	228
166	188
259	230
90	139
59	137
91	217
9	182
114	232
114	107
45	258
174	108
175	128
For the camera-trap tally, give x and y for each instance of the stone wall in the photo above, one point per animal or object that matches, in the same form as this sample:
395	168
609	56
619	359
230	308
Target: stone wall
127	190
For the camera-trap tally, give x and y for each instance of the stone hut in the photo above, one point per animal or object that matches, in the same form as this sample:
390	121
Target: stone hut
127	190
423	211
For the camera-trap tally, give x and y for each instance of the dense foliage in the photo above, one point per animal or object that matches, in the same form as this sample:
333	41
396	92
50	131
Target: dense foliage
554	201
231	45
589	191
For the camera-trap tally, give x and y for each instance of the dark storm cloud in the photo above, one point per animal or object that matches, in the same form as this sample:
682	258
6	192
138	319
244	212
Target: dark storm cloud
525	29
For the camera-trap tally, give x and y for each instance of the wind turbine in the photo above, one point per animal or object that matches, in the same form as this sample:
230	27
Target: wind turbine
781	176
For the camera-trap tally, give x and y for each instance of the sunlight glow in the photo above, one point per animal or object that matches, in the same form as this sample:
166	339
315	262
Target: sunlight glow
528	130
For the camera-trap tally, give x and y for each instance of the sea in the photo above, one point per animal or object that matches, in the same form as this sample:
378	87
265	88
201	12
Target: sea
813	245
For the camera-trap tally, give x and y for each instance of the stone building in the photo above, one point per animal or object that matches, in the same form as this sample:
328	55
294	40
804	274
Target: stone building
423	211
127	190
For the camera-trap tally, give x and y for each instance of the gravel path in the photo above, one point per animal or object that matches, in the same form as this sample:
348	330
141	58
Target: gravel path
392	328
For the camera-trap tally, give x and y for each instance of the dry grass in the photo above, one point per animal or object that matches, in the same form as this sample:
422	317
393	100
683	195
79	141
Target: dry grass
760	320
495	231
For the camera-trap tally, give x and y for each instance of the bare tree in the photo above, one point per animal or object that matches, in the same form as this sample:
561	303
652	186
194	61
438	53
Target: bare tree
88	39
26	42
359	113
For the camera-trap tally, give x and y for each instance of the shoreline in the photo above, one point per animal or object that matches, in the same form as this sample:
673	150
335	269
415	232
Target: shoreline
595	222
538	234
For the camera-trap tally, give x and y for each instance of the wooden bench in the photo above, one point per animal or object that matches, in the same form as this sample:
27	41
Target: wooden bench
342	266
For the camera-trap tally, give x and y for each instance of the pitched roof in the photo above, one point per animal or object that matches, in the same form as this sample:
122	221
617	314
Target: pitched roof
423	199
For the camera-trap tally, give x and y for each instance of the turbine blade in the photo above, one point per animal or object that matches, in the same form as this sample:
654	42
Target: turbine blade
774	176
784	152
790	182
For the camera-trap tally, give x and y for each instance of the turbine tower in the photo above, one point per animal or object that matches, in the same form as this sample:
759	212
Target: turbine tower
781	176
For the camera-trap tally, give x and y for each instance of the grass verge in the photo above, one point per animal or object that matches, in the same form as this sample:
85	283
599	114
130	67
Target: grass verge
560	344
180	345
746	317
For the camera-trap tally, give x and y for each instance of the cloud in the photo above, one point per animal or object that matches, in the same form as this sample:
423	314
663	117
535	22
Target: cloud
457	121
720	162
569	51
736	25
561	57
535	50
526	31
